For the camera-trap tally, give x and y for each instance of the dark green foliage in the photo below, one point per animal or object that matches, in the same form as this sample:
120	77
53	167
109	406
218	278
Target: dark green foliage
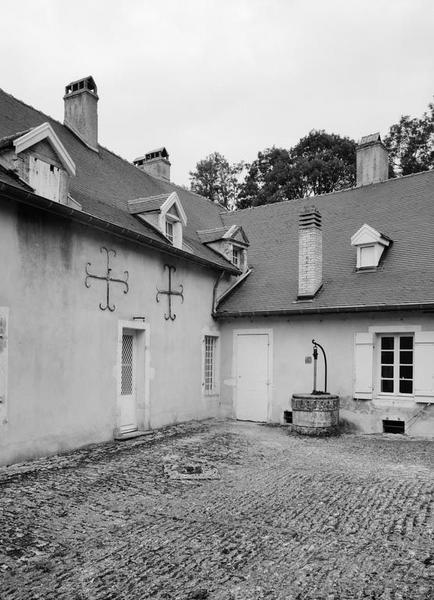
217	179
320	163
410	143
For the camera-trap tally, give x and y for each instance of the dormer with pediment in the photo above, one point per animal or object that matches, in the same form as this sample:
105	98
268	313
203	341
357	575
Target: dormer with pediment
370	245
231	242
164	212
39	158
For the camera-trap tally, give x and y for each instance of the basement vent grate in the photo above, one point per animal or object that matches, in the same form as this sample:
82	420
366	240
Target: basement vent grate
287	416
393	426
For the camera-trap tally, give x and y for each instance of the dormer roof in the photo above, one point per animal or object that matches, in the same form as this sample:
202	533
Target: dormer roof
161	203
104	183
233	233
46	133
368	235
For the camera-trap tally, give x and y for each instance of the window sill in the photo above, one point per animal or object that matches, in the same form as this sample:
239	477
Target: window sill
391	401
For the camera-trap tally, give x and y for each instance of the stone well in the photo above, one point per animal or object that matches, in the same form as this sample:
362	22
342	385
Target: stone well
315	414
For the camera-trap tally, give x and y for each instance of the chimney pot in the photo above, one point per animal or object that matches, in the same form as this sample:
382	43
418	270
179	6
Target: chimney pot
372	160
309	253
81	115
156	163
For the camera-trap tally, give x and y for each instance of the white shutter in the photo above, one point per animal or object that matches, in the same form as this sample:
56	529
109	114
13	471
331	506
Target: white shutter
363	366
4	318
424	366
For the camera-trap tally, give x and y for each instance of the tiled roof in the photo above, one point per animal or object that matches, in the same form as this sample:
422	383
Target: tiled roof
12	178
212	235
402	209
105	182
140	205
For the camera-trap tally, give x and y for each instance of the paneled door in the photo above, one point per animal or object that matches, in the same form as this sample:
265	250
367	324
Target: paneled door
252	376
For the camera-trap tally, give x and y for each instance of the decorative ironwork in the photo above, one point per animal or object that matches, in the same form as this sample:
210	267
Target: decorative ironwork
108	279
316	345
169	293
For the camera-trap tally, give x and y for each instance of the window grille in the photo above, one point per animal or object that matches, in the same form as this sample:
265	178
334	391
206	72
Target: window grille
127	364
210	363
396	364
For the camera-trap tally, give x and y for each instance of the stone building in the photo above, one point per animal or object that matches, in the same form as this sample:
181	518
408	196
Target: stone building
128	303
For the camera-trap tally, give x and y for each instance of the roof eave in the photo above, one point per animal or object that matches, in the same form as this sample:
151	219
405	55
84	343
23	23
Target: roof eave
18	194
425	306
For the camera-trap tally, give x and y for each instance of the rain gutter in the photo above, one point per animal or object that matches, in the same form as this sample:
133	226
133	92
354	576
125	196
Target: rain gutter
24	197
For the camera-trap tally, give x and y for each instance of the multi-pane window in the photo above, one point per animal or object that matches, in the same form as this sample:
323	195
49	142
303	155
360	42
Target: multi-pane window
396	364
169	231
210	358
237	256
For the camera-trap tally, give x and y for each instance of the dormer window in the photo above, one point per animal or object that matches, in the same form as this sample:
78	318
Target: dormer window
44	177
164	212
231	242
237	256
39	158
169	231
367	256
370	245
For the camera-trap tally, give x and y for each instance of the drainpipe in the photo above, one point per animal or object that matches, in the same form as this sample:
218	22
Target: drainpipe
214	291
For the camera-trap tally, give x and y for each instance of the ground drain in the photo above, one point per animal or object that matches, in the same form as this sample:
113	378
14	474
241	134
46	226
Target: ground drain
190	471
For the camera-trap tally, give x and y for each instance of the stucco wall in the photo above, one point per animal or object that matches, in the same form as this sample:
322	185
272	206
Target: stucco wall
290	374
62	349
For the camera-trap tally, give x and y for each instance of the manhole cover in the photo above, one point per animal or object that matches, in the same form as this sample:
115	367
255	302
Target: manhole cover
190	471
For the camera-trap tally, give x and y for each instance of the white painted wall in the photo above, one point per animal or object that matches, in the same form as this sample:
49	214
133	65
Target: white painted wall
292	343
63	350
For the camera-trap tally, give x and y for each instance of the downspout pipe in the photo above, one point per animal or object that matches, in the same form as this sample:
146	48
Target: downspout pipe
214	293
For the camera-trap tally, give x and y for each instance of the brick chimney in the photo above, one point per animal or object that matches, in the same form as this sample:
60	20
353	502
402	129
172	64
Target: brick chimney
81	115
156	163
372	160
309	253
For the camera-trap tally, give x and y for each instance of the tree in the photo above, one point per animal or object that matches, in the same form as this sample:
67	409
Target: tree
410	143
217	179
267	179
318	164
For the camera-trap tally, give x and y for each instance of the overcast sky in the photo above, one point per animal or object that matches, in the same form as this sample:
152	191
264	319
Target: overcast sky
233	76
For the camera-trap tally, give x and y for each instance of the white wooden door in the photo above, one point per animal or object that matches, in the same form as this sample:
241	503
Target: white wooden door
127	397
252	376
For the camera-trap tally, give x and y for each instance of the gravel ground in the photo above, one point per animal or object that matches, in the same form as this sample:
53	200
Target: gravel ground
222	510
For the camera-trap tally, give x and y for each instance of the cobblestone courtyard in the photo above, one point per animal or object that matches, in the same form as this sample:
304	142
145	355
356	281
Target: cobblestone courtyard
271	515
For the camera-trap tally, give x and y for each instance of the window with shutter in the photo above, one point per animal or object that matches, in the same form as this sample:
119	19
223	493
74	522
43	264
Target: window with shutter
363	366
424	366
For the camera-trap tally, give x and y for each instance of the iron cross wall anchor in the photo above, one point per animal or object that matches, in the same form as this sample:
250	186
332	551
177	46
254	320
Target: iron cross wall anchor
169	293
107	278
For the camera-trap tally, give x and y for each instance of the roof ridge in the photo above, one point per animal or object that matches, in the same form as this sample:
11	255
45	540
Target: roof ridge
175	185
213	229
148	198
312	198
